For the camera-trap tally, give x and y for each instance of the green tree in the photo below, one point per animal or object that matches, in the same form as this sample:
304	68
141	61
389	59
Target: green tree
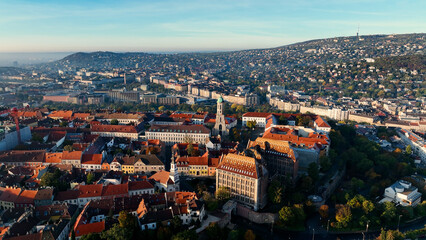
186	235
367	206
114	122
409	150
117	233
223	193
390	235
313	171
275	191
68	148
90	178
176	224
251	124
325	163
388	215
283	120
190	149
63	124
36	137
126	220
343	214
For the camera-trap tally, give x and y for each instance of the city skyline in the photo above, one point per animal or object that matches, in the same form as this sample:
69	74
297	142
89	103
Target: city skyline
168	26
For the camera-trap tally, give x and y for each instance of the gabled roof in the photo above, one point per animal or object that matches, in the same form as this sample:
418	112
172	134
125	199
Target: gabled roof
22	156
10	194
54	157
114	128
179	129
256	114
91	159
61	114
84	229
74	155
93	190
111	190
26	197
138	185
67	195
162	177
150	160
44	194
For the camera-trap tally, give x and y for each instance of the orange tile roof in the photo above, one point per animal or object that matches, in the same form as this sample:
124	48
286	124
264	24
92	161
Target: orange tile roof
162	177
192	160
26	197
53	157
34	236
61	114
239	165
83	116
74	155
321	122
91	159
84	229
290	135
10	194
93	190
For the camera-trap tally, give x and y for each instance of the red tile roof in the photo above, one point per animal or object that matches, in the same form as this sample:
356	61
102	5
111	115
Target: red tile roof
179	128
84	229
113	190
26	197
137	185
256	114
74	155
93	190
10	194
114	128
91	159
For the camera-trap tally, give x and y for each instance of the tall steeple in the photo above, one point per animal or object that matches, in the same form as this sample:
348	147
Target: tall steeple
174	173
220	125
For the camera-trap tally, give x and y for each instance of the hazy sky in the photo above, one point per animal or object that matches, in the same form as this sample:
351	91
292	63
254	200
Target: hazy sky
189	25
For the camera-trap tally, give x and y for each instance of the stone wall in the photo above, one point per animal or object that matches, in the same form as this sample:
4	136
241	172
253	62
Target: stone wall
256	217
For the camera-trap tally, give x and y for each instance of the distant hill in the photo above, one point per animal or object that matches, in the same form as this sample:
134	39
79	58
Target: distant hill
314	52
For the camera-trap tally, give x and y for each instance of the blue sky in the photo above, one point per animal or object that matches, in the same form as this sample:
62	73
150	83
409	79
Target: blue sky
188	25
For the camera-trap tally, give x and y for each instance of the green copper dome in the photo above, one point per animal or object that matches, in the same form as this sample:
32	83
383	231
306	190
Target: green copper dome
220	100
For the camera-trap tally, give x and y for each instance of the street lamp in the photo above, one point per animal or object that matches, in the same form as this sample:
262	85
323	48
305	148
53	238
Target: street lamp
366	229
399	220
313	234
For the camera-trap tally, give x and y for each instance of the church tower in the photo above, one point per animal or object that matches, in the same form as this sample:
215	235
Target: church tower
220	125
174	174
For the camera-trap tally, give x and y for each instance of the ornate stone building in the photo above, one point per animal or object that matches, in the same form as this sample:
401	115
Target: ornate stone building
245	178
